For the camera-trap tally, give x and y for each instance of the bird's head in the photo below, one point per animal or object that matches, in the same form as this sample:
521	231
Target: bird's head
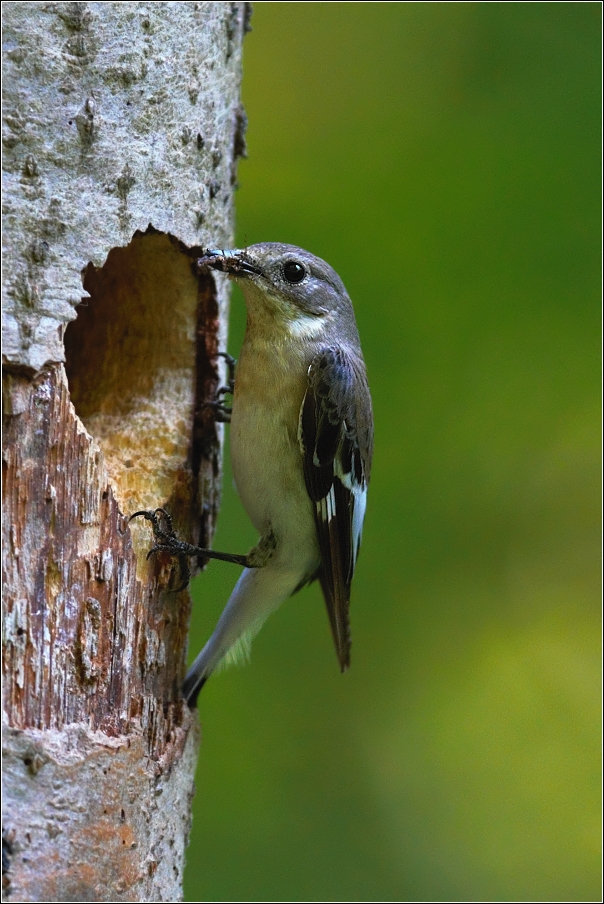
286	284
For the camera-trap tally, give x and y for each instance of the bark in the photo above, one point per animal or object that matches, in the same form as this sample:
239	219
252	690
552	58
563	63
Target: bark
122	128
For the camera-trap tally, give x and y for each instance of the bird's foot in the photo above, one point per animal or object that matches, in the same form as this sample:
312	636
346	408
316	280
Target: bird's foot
167	541
222	412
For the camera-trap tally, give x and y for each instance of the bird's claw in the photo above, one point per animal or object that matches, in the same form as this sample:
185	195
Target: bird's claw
169	542
179	549
222	412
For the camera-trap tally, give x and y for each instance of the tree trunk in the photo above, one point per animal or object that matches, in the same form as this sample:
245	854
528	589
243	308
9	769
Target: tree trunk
122	128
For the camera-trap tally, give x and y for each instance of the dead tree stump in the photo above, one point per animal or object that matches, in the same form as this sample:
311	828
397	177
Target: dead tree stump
122	128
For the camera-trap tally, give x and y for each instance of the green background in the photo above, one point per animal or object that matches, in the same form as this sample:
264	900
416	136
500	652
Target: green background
445	159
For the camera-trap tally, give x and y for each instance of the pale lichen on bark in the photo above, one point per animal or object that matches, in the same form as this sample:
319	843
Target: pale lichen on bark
122	128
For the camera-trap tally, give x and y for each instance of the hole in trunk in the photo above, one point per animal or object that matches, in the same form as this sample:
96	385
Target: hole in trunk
140	360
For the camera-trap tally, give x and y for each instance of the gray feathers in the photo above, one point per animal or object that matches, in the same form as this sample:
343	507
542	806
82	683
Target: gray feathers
336	443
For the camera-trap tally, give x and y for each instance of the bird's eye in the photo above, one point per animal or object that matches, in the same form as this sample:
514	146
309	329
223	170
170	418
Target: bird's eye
293	271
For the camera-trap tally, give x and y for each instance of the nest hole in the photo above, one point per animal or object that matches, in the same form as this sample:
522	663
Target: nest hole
140	359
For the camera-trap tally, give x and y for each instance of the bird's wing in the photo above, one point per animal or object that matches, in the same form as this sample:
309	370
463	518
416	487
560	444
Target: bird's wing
336	437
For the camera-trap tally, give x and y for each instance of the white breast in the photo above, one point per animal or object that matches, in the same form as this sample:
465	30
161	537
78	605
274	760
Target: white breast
266	458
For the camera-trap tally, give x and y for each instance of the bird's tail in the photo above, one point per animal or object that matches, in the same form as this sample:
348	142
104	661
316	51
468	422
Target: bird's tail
258	592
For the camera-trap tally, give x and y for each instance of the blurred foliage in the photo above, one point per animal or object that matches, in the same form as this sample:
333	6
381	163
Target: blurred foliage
445	159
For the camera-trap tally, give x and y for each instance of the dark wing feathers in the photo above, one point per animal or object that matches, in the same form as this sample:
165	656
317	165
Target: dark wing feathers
336	434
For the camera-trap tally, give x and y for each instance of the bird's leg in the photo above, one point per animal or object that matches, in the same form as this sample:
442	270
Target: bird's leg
222	412
167	541
262	552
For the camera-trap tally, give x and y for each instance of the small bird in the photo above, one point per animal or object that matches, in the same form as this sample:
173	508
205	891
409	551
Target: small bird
301	445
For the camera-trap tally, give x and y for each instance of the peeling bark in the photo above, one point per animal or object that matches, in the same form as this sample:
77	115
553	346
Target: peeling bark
122	130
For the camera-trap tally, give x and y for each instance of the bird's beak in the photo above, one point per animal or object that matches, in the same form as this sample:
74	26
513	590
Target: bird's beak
232	262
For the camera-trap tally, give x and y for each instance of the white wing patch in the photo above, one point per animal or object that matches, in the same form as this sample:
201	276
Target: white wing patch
358	516
359	503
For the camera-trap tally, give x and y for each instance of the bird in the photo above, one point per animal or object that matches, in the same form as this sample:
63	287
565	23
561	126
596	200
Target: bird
301	439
